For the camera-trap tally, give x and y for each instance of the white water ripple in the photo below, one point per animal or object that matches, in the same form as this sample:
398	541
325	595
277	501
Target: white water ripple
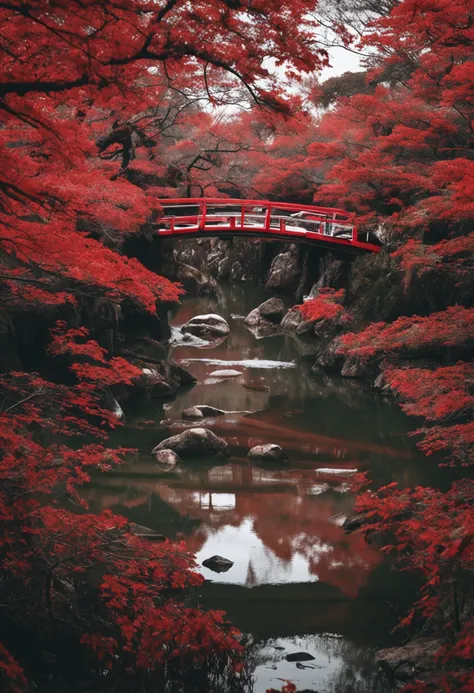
245	363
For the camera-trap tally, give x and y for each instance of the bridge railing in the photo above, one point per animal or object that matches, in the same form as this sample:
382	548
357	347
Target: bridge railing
185	215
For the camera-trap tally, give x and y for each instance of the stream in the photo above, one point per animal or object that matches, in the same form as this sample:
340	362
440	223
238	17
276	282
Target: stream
299	583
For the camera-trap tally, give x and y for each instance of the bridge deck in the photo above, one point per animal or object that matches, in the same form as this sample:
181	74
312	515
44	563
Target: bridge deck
203	217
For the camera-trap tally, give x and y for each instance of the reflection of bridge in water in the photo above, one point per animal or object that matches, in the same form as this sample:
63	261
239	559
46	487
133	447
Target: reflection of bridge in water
323	226
283	525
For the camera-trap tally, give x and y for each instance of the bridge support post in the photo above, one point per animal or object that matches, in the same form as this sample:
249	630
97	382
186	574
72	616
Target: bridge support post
202	221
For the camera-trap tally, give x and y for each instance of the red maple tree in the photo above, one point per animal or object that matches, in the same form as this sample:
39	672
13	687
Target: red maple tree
87	88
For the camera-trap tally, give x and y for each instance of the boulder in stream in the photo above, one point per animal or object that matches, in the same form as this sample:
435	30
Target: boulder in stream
267	453
209	326
264	321
194	442
272	310
218	564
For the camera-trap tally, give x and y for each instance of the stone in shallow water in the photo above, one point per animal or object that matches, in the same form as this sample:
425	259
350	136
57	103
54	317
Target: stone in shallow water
194	441
207	326
299	657
192	413
270	452
218	564
199	411
225	373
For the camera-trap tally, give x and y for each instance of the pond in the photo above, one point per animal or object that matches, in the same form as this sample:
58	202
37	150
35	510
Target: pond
298	582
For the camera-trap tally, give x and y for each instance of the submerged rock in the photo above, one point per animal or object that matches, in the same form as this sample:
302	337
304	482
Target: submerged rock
218	564
258	387
194	442
199	411
269	452
192	413
209	326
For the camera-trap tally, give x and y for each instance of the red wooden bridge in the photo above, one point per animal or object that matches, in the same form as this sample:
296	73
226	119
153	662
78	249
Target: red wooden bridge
205	217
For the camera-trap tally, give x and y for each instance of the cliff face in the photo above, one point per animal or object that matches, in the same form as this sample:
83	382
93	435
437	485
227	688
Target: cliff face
282	268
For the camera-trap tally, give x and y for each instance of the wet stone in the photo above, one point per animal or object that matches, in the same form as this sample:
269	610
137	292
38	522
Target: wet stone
225	373
194	441
270	452
218	564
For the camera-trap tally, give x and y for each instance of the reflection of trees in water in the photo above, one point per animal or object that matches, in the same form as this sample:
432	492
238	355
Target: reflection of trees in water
357	670
277	504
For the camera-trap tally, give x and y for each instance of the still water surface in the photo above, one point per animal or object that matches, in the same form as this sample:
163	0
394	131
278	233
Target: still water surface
298	582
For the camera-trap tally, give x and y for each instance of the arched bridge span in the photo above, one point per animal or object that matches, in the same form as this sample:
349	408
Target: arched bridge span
205	217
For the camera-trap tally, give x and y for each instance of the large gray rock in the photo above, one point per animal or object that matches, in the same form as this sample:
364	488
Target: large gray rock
268	453
210	326
284	271
196	282
264	320
272	310
194	442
